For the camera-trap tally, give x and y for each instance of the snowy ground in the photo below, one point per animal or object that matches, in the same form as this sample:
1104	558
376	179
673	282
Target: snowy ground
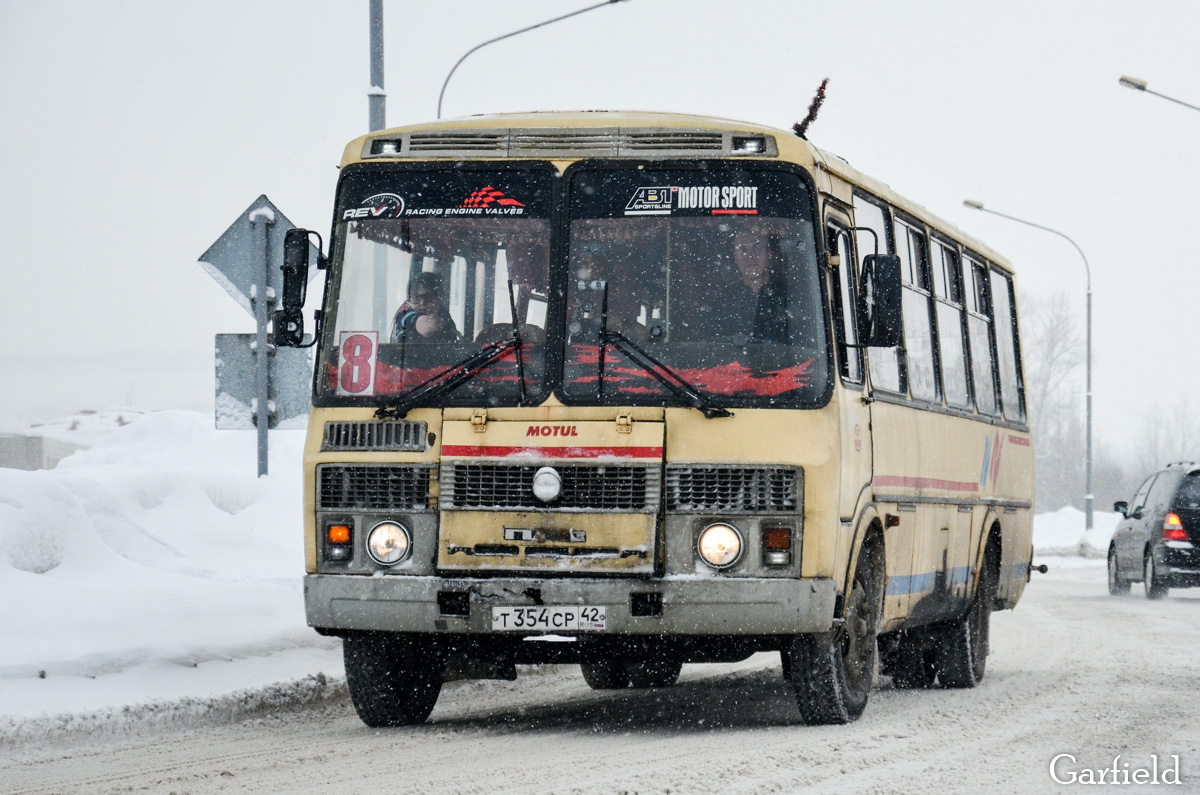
152	582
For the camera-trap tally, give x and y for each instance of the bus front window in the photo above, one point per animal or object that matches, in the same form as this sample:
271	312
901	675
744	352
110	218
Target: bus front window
717	280
428	268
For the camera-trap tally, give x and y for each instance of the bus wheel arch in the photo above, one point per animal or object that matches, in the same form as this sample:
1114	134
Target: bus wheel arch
966	641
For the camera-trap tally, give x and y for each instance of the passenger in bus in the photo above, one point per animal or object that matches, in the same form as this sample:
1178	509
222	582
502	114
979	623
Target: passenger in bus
425	315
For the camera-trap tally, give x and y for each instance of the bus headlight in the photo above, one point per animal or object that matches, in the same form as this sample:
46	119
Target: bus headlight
720	545
388	543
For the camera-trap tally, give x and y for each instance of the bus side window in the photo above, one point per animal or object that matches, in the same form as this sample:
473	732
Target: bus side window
844	306
884	362
918	329
947	290
979	332
1012	387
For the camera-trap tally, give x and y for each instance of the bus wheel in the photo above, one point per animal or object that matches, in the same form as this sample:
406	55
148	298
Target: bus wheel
609	674
832	672
654	673
964	647
915	665
393	680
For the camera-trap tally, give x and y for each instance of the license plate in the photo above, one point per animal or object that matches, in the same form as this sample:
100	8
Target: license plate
552	618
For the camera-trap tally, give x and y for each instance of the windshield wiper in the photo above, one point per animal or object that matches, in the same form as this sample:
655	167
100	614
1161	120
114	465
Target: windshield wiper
660	372
447	380
458	374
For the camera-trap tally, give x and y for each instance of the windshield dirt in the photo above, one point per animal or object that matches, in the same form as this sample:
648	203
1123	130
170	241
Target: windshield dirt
429	267
710	272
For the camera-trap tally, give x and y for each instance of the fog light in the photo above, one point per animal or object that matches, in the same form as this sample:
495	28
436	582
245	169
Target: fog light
388	543
547	484
720	545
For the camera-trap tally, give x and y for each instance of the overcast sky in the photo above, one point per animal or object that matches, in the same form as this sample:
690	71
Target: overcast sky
132	133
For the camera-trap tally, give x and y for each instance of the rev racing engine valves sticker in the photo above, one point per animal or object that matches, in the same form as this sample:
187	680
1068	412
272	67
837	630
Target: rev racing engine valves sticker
381	205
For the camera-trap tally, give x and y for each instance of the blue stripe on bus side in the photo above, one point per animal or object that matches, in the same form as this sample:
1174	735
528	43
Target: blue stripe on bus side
920	583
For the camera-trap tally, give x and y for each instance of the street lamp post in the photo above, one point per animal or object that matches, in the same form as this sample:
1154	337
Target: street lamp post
509	36
1089	498
1140	85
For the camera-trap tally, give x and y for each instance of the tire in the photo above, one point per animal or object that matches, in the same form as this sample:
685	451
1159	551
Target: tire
1155	587
608	674
393	680
1117	585
915	665
832	672
962	655
654	673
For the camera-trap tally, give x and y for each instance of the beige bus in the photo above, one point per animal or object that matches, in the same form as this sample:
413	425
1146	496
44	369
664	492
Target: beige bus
634	390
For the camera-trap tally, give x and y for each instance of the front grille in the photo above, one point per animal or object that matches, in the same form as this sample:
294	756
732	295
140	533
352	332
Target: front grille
365	487
585	487
709	489
401	437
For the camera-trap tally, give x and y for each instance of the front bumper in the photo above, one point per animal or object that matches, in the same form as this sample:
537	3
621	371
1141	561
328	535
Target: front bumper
711	606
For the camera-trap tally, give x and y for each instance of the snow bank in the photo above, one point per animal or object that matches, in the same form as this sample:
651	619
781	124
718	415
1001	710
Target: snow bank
1063	533
157	547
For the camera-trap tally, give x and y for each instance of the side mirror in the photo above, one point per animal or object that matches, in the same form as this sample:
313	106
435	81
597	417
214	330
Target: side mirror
1138	513
295	268
289	321
880	313
1121	507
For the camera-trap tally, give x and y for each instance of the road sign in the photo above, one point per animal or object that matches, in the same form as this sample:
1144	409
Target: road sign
251	373
234	261
289	377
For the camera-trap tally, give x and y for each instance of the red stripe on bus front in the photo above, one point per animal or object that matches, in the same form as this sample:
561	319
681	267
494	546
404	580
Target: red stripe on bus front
1019	440
496	451
925	483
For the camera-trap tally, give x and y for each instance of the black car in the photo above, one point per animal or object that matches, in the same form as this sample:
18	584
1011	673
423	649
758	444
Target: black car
1158	541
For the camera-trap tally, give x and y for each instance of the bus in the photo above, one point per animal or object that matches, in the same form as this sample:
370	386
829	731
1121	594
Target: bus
630	390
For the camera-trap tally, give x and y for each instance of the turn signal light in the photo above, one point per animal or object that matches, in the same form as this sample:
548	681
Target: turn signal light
338	534
777	546
1173	528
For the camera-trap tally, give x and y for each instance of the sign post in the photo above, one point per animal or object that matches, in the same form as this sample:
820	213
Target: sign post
258	386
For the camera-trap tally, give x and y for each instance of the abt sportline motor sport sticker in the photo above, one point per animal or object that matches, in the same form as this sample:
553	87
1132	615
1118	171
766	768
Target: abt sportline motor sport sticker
486	200
716	199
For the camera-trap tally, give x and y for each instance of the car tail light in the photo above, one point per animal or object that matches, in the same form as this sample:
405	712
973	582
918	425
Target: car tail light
1173	528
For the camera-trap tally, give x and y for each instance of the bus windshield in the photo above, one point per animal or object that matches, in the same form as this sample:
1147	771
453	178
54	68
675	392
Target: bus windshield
428	268
711	272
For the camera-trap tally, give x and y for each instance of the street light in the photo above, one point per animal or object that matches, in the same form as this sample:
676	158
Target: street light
1140	85
1088	499
508	36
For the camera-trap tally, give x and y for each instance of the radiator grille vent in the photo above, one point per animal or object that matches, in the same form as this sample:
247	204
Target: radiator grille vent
403	437
552	142
708	489
585	487
365	487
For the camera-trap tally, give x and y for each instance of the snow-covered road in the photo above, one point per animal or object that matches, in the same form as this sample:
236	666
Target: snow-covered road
1073	671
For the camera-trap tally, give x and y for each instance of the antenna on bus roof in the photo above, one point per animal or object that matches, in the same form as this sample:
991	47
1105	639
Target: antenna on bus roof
814	107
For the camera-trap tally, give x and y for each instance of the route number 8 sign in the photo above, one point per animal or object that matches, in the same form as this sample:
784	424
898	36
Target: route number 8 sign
356	362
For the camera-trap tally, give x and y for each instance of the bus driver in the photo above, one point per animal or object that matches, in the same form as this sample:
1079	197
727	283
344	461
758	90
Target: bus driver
424	316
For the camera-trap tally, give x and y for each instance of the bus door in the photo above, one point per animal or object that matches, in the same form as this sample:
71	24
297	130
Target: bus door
855	415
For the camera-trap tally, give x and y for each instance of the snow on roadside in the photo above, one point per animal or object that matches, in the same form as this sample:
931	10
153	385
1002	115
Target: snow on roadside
1064	533
157	549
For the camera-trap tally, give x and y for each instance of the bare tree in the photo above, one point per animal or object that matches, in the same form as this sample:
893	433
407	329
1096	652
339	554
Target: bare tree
1053	349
